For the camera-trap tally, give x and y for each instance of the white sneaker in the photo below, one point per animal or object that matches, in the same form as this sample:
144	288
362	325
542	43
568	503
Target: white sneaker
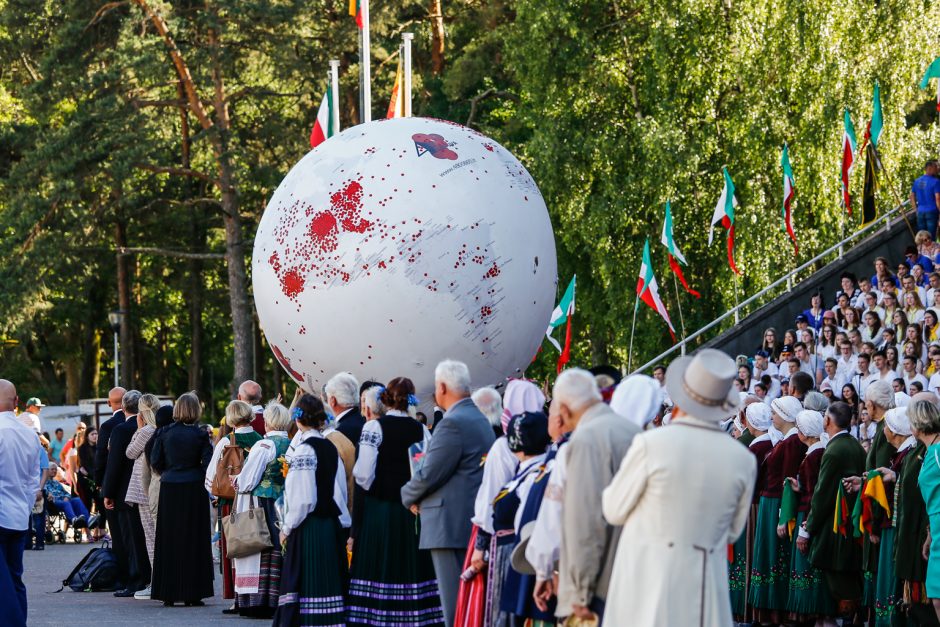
143	595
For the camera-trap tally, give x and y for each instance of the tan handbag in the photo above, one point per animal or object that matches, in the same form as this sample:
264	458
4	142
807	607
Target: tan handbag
246	533
230	463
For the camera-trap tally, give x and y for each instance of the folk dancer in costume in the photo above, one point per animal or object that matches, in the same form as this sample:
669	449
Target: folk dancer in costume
770	571
910	566
758	419
392	580
238	416
313	579
528	440
879	398
260	484
808	598
826	536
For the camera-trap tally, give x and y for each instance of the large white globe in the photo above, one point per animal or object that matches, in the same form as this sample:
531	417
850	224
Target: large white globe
397	244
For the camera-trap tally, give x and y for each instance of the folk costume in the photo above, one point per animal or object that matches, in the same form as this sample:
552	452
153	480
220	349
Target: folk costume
911	524
808	597
244	437
260	484
676	534
739	572
833	548
315	511
392	581
879	456
770	572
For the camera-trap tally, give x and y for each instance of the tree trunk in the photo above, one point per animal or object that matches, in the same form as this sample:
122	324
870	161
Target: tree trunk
437	37
73	370
126	335
196	305
91	341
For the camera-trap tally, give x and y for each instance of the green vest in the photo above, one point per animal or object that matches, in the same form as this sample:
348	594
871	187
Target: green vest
272	481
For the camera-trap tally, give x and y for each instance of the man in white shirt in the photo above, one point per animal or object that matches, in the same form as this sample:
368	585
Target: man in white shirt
881	367
833	378
763	365
30	417
19	484
863	376
910	285
847	361
910	373
810	364
933	279
862	300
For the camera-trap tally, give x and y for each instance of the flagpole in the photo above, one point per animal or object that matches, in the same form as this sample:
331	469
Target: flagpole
736	319
334	91
636	306
675	283
406	41
365	59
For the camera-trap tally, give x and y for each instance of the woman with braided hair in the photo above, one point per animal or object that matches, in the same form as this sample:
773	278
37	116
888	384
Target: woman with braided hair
392	581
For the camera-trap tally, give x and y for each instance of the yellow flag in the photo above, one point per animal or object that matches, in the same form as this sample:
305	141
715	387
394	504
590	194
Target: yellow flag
396	106
875	489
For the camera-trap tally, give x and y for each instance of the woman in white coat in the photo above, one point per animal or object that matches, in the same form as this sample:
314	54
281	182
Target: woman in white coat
682	494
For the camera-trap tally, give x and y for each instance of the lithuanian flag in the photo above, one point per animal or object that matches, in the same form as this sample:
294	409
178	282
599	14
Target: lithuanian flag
789	504
355	10
841	519
872	493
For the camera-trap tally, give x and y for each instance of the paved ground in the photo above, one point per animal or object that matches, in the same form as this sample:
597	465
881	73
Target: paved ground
45	570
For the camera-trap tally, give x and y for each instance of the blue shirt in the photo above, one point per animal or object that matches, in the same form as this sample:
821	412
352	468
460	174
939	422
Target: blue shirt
925	189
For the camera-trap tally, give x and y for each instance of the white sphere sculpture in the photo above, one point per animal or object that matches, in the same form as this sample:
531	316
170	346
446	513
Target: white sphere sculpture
397	244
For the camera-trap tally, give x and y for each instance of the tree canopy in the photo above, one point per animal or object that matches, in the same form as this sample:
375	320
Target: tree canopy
140	140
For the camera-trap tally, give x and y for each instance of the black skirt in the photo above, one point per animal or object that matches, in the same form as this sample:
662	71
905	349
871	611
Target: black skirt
182	560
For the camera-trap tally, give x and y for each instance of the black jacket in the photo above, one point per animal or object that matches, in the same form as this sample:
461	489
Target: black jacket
117	474
104	434
351	426
181	453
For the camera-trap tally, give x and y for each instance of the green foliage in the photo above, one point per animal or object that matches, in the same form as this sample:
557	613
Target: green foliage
614	106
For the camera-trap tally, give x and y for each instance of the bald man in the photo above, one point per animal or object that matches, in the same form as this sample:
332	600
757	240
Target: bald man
250	392
19	482
115	396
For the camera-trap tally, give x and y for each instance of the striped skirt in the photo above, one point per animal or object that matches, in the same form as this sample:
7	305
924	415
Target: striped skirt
261	604
313	577
392	581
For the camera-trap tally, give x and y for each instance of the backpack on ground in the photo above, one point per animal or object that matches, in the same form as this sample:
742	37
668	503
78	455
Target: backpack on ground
97	572
230	463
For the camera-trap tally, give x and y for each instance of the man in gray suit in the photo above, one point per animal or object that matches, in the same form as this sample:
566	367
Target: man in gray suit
594	452
443	489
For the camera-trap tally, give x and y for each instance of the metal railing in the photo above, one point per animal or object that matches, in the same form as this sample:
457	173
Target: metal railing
885	219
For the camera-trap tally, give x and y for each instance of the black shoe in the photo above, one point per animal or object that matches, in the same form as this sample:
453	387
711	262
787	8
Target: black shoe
126	592
82	523
231	610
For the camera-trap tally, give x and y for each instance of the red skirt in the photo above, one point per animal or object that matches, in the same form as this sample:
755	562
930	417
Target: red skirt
471	596
228	569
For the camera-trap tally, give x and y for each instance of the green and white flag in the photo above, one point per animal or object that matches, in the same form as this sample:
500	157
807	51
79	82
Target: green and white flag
562	313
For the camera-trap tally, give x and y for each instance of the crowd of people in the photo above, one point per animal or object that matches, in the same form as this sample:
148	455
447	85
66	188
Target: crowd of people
533	506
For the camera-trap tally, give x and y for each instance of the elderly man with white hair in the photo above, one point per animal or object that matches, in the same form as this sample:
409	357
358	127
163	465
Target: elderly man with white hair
594	453
342	397
442	490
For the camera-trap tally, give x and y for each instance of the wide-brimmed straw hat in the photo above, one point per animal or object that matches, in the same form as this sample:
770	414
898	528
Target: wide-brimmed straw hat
703	385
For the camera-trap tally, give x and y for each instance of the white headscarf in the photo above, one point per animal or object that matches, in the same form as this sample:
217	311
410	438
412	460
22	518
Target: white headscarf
901	399
521	396
787	407
897	421
810	423
638	398
758	416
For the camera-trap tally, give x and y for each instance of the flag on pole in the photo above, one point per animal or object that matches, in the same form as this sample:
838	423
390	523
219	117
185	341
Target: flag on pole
648	291
872	166
724	214
396	106
848	160
933	71
877	118
355	10
563	314
789	190
323	127
674	254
